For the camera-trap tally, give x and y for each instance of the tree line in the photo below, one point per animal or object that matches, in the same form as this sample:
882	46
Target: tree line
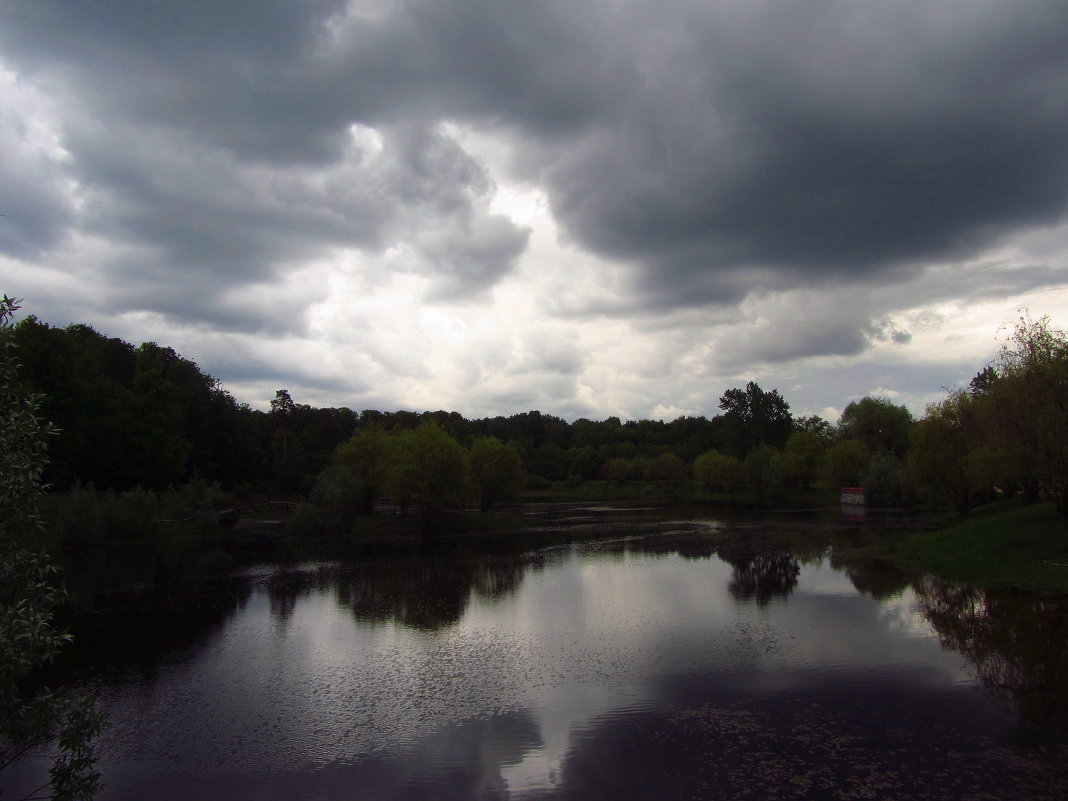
147	417
1008	430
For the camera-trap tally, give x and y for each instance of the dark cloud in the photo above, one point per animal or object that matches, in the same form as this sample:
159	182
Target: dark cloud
711	153
36	210
716	148
217	145
828	143
733	146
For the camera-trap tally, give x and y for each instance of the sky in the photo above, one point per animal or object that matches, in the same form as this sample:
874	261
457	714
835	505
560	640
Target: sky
596	208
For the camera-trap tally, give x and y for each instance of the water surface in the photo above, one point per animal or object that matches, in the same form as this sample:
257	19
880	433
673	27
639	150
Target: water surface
656	667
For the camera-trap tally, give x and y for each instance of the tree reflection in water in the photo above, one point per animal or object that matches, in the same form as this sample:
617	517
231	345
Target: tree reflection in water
1018	644
140	630
423	593
876	578
760	575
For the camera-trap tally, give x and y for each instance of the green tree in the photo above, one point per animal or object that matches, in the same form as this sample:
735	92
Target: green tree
1032	392
763	467
286	449
618	470
803	457
666	467
940	458
882	482
496	471
1003	454
154	421
755	417
33	719
879	424
335	502
427	467
846	462
814	424
717	471
367	456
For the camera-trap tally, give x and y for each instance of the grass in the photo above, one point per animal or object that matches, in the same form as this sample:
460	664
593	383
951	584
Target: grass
1005	544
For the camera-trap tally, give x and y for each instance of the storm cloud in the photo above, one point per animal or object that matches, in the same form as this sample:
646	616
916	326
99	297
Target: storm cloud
802	176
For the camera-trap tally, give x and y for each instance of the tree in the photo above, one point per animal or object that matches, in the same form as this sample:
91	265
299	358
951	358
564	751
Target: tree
496	471
1032	393
339	491
803	456
155	421
367	456
31	719
717	470
134	416
940	453
764	469
618	470
984	381
666	467
846	463
814	424
426	467
882	482
878	423
288	455
755	417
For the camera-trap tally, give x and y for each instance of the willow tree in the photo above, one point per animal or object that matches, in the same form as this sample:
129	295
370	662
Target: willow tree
496	471
942	451
427	467
1030	396
717	471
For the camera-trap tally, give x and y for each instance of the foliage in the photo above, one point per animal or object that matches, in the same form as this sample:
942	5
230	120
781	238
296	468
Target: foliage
1009	429
134	416
1031	395
617	470
814	424
86	517
666	467
366	456
717	471
496	471
337	500
878	423
882	483
763	467
755	417
803	457
31	718
846	462
146	417
427	467
536	482
940	450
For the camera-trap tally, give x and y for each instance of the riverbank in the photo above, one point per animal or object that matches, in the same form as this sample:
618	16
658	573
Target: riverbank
109	543
1005	544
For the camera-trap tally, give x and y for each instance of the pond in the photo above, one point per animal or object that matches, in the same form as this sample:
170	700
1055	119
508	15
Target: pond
665	666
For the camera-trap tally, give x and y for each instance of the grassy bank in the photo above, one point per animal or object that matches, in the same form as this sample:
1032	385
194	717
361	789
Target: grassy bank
1006	544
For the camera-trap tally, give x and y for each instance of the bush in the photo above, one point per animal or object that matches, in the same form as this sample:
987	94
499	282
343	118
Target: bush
535	482
882	483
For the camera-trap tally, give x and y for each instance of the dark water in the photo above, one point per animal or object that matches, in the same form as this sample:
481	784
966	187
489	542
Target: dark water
657	667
